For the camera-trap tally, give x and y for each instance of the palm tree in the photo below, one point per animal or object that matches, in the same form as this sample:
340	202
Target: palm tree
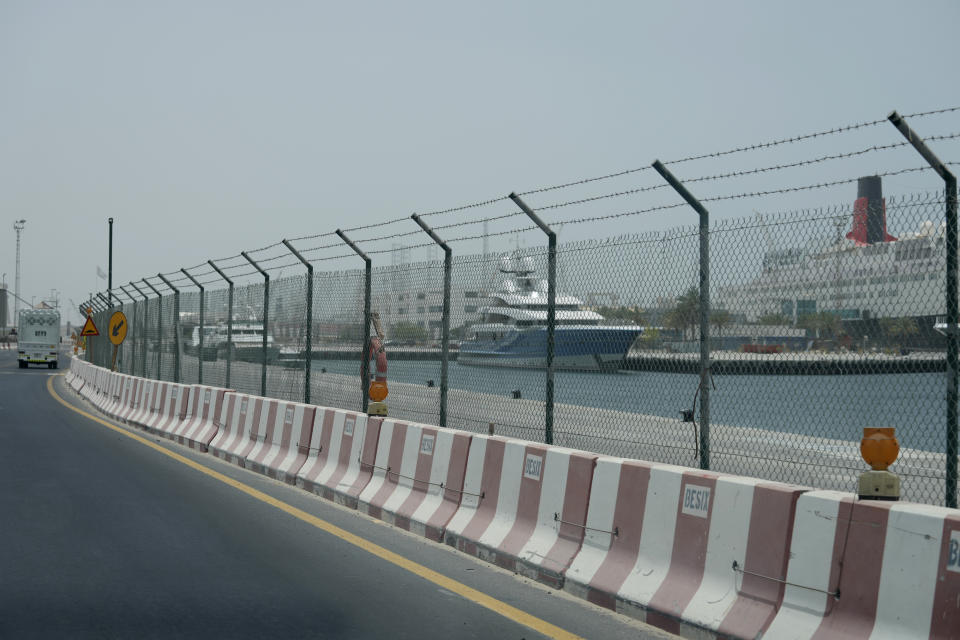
686	314
899	328
720	319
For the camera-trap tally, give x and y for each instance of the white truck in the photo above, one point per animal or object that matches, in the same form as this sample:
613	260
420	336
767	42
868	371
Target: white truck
38	337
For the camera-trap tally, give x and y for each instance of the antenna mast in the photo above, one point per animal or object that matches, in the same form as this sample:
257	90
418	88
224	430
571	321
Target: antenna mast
18	227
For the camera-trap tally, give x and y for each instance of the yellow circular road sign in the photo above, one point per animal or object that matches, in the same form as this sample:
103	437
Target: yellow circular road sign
117	329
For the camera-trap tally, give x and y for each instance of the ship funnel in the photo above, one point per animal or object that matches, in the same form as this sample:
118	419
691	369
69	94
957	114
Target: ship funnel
869	213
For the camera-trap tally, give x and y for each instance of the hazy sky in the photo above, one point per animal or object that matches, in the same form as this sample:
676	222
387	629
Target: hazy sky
205	128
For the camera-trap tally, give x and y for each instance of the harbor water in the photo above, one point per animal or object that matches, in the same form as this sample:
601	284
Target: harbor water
836	407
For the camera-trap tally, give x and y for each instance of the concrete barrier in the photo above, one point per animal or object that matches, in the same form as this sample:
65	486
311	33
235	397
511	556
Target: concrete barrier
112	386
200	426
524	506
682	549
119	386
92	389
282	441
237	414
168	409
78	369
141	406
130	398
338	443
862	569
417	477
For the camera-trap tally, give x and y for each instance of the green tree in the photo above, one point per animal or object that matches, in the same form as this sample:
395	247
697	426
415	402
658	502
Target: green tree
650	337
823	324
898	329
686	314
720	318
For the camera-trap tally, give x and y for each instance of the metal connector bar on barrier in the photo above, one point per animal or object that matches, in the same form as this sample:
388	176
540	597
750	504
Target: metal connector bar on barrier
308	351
445	317
615	533
551	310
738	569
365	353
177	335
200	355
109	305
229	319
400	475
266	320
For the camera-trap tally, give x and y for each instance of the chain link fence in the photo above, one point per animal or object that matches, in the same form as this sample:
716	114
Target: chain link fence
814	336
821	322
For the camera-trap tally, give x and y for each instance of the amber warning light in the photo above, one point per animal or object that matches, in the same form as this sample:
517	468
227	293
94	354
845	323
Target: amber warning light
879	449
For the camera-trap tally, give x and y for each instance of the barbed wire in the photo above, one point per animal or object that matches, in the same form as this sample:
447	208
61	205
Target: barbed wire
412	246
752	147
736	196
313	236
472	205
821	185
746	172
338	243
480	221
336	257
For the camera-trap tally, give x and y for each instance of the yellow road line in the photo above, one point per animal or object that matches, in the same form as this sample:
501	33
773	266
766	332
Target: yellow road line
471	594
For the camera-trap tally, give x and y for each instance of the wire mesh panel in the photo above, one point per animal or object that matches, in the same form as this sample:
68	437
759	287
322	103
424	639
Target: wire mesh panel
338	338
126	353
627	344
288	332
153	352
167	343
190	337
407	300
246	350
825	323
497	382
214	340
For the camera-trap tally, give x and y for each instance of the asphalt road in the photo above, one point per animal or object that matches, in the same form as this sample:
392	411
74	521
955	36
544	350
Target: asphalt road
102	536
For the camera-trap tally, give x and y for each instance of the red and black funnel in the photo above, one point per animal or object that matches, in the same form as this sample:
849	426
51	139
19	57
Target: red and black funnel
869	213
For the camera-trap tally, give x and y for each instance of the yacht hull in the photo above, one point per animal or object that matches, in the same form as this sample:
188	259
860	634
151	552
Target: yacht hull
575	349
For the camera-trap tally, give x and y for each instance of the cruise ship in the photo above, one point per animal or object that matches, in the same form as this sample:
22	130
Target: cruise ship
513	332
862	275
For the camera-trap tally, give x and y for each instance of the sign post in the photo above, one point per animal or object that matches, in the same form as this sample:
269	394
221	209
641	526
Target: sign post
89	330
117	332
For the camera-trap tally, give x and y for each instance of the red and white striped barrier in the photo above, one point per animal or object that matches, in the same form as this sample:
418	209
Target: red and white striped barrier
200	426
682	548
868	569
133	398
120	384
112	384
78	369
417	477
144	402
524	506
169	408
238	413
282	443
340	440
95	391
